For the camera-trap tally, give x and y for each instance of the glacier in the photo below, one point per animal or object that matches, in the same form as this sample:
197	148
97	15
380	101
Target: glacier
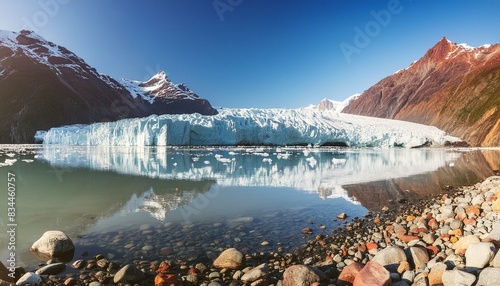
233	127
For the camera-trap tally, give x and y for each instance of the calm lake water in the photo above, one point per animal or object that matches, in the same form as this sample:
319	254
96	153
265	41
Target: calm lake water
173	203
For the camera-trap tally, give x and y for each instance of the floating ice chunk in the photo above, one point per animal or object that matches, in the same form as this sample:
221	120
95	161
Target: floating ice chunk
8	162
312	162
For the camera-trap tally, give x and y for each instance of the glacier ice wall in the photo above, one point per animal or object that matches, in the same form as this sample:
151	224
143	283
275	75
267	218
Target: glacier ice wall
250	127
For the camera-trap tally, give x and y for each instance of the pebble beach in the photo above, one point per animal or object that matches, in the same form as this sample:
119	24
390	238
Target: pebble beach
451	239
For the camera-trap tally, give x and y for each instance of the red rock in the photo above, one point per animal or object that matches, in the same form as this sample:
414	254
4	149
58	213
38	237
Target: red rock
350	272
413	229
373	274
434	249
461	216
193	271
70	282
423	230
473	211
371	245
408	238
433	224
166	280
469	221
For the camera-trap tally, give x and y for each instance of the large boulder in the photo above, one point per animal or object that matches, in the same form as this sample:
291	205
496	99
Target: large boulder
30	279
54	244
230	258
373	274
299	275
390	257
128	274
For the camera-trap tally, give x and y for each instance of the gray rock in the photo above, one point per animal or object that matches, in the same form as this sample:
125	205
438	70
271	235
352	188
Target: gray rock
457	277
256	273
419	256
390	257
478	255
79	264
456	224
103	263
128	274
95	283
299	275
214	275
495	232
30	279
191	278
489	277
408	276
51	269
54	244
496	260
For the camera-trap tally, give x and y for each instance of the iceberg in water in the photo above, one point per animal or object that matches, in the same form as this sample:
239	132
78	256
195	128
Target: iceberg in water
232	127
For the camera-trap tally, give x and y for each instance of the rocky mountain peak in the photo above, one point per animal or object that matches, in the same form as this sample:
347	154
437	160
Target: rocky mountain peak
453	86
44	85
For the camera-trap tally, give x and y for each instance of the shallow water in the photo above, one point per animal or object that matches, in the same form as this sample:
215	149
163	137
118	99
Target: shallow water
157	203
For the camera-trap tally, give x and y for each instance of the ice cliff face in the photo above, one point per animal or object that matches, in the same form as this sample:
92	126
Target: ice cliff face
251	127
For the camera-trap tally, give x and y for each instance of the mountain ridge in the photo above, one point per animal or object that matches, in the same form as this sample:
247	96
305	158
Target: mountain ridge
44	85
454	87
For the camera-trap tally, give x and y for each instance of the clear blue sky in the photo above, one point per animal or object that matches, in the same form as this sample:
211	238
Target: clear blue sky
256	53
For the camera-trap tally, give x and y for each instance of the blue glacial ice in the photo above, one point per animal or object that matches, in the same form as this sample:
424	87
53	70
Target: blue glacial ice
280	127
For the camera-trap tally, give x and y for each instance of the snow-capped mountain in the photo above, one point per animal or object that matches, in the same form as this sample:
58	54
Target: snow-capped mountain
454	87
43	85
338	106
251	127
159	87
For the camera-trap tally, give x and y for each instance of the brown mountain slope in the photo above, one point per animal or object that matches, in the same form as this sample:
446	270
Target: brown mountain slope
44	85
453	87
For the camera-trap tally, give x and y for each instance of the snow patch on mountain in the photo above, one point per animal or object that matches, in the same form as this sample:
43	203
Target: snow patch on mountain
251	127
158	86
337	106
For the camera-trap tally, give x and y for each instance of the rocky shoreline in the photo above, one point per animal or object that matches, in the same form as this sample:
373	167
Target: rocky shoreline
452	239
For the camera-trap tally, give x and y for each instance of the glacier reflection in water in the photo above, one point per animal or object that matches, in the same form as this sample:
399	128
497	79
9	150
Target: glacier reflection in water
94	190
321	170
